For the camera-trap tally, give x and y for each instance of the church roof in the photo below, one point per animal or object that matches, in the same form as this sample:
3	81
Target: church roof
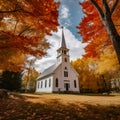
63	44
48	71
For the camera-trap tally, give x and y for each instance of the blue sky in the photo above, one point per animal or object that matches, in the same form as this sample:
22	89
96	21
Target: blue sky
70	15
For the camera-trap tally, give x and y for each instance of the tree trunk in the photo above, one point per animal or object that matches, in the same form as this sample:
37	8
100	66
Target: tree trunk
105	15
113	34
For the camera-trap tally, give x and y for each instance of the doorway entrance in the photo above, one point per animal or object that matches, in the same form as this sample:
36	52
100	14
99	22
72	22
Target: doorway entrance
67	86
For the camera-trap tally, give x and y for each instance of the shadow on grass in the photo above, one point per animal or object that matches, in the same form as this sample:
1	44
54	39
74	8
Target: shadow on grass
104	94
19	109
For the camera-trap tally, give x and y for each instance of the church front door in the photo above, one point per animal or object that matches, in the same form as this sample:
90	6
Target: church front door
67	86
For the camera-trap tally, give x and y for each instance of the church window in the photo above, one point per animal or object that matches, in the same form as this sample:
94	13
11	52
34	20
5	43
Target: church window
65	59
65	74
64	52
38	85
49	82
65	68
41	84
56	84
75	85
45	83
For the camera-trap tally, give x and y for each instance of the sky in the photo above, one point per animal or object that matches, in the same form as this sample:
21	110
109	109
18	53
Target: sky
70	15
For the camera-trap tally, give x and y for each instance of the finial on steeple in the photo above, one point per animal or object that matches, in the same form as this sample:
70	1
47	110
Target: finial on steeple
63	44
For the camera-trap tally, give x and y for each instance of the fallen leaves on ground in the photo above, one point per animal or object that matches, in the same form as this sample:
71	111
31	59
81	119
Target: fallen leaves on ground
16	108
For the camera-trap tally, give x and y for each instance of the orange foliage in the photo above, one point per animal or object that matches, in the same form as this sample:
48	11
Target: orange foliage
24	25
92	29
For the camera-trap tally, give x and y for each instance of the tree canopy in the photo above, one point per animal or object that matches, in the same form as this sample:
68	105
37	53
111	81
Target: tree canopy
23	26
100	26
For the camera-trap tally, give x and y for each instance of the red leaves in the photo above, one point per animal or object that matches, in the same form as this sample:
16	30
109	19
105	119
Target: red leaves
40	17
23	43
92	30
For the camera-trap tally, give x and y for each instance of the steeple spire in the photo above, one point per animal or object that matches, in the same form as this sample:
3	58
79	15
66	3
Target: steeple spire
63	51
63	44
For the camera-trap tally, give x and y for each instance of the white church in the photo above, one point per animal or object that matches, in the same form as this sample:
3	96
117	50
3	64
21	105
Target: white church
60	77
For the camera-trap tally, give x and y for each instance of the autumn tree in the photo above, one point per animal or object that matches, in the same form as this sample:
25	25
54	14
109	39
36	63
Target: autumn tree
30	76
88	79
23	27
94	75
108	67
29	80
99	25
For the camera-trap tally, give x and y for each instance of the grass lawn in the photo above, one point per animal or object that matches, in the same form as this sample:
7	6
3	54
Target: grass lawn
60	107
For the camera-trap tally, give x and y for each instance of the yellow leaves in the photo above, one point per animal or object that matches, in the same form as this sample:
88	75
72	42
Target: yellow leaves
18	60
86	68
30	77
13	61
108	61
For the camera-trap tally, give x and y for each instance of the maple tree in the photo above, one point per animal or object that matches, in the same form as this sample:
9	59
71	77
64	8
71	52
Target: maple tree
101	23
23	27
108	68
95	74
88	79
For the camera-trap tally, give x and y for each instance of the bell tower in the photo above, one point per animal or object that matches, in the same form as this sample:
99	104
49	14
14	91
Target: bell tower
63	51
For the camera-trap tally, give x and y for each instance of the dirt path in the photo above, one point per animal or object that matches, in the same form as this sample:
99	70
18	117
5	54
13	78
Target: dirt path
65	99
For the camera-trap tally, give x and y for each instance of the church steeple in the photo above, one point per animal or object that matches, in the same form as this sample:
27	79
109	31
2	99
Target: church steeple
63	51
63	44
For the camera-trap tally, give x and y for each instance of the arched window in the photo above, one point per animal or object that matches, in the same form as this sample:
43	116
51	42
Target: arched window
64	52
65	68
65	59
56	82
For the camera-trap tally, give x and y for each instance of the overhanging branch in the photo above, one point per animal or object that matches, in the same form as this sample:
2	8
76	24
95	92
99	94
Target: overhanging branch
114	6
98	8
24	31
17	10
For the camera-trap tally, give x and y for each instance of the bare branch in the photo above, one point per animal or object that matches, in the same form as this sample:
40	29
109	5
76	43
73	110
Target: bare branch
17	10
114	6
11	11
98	8
24	30
15	26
